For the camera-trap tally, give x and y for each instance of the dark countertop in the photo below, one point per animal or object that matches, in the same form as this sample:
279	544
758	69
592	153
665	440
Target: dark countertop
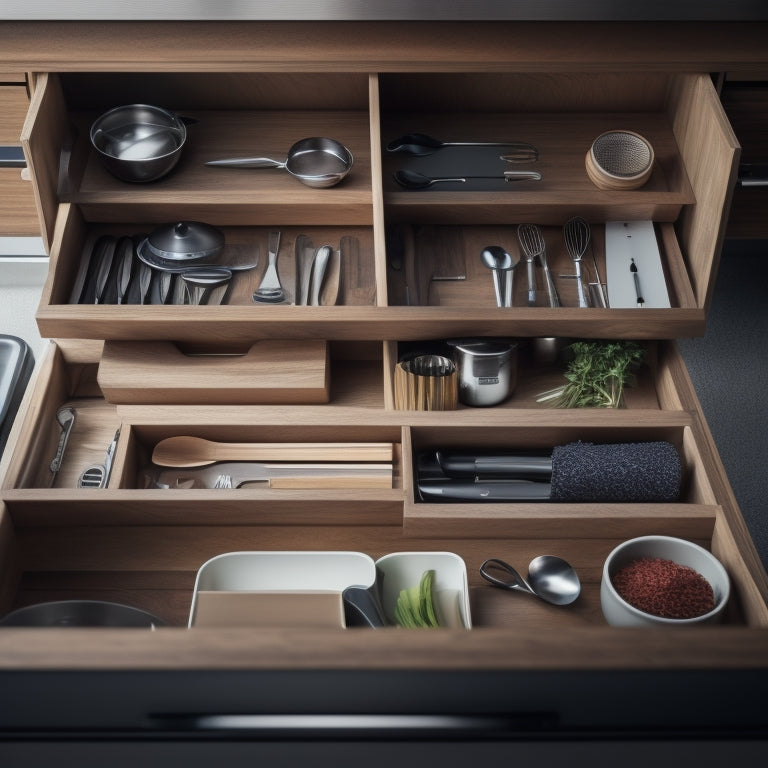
386	10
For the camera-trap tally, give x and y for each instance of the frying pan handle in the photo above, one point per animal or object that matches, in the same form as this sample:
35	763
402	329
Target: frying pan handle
247	162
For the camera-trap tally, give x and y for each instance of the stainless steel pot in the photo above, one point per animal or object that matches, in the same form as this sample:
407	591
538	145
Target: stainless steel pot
487	370
139	142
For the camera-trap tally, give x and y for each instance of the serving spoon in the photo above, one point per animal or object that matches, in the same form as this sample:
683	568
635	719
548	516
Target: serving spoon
415	180
550	578
497	259
420	144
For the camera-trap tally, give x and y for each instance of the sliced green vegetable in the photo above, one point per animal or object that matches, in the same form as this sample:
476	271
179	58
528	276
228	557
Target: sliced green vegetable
415	607
426	600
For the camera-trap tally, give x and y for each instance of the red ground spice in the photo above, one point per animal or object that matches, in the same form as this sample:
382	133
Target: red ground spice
663	588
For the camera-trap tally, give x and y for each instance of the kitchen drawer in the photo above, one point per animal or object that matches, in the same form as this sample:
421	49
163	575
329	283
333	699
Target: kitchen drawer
143	547
686	197
360	398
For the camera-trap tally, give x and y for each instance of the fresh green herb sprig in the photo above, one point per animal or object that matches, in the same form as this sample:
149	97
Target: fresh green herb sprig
597	375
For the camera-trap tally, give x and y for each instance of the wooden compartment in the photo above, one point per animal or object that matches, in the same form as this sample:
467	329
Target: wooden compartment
152	566
559	115
230	116
692	515
686	199
538	375
69	377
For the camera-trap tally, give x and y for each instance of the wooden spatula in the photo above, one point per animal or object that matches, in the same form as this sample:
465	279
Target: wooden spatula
190	451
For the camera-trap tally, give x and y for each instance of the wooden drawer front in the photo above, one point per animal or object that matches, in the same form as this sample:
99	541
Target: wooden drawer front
18	214
270	372
407	241
746	104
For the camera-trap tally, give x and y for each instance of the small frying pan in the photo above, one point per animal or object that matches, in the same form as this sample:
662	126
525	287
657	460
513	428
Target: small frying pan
316	162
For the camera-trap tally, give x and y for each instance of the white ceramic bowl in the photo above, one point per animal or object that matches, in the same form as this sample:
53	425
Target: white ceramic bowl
619	613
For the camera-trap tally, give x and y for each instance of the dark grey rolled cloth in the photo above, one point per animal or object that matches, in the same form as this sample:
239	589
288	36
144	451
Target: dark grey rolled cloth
622	472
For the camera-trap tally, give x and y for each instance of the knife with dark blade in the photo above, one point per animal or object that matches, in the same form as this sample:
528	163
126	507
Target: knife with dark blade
80	289
124	258
103	268
165	283
145	278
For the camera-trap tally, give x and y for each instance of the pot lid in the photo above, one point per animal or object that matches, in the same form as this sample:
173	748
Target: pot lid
186	241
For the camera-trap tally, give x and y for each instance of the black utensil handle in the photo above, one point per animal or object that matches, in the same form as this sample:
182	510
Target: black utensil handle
436	489
507	466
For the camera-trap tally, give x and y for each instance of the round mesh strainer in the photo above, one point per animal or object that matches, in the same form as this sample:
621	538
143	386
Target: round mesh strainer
619	160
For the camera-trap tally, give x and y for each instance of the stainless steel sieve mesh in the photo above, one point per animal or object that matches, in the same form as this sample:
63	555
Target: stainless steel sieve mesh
622	153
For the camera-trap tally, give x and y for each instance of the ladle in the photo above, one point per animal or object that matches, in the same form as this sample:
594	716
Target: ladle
420	144
415	180
496	258
550	578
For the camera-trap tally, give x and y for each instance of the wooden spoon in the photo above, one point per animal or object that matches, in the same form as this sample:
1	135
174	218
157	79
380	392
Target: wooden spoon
189	451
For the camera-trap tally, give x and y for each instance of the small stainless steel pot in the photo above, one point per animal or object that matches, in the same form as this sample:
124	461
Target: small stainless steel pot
487	370
317	162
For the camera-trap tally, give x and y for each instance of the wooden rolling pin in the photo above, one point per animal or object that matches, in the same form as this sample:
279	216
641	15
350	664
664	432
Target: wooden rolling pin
189	451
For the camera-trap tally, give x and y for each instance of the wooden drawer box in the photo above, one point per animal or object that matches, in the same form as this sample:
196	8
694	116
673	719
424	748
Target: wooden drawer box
143	547
685	198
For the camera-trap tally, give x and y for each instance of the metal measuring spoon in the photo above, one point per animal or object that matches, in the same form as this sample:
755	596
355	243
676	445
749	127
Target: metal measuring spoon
550	578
